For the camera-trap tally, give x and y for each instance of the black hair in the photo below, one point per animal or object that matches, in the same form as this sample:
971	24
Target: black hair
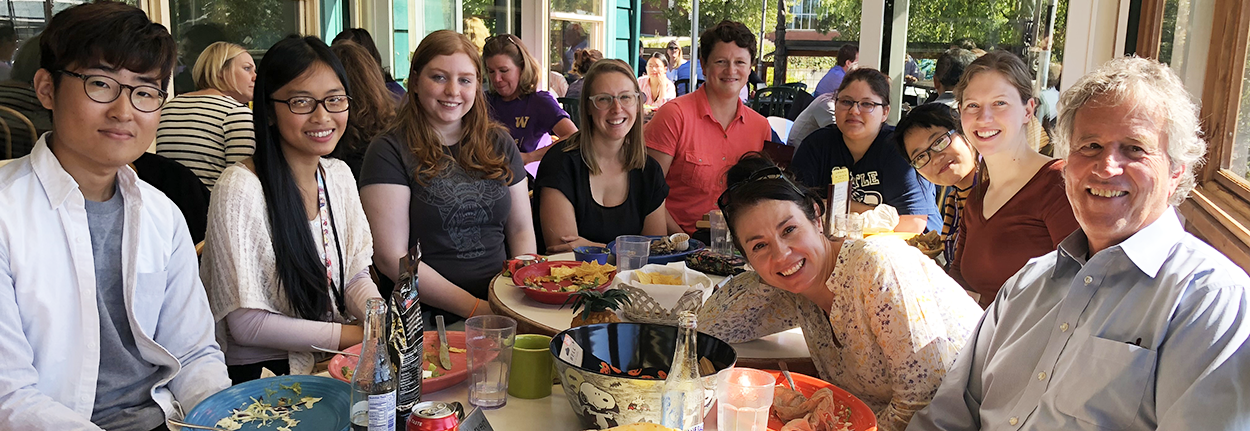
300	271
965	43
848	52
950	66
363	38
730	32
877	82
928	115
744	192
7	33
107	32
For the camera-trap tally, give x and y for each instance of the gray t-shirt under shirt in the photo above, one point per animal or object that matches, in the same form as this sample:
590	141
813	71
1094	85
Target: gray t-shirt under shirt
123	398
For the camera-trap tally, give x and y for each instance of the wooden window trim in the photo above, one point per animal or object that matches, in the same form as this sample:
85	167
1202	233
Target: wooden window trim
1150	28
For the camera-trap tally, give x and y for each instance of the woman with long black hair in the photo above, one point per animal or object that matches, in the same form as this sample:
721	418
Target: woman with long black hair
288	246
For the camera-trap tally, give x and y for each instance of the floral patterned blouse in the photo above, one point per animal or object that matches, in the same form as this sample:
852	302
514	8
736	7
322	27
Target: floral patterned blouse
896	323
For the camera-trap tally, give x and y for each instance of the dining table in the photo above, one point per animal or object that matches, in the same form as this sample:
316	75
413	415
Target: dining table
533	317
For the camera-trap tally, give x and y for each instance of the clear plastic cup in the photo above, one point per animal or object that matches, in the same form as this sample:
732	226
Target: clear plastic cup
721	242
743	397
632	252
490	340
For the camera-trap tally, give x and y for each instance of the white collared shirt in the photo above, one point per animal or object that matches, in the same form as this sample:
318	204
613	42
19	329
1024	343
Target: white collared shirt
49	323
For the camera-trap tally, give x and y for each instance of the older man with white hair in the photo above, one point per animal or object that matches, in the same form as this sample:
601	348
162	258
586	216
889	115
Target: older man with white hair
1132	323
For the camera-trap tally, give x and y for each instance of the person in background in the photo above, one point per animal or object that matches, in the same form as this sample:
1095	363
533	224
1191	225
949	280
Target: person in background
364	39
600	183
8	46
848	61
447	177
860	141
210	129
556	84
819	114
656	88
929	138
950	67
1047	109
18	93
103	320
286	258
475	29
191	45
528	114
1132	323
675	58
882	320
582	61
575	40
911	70
1018	211
373	108
696	137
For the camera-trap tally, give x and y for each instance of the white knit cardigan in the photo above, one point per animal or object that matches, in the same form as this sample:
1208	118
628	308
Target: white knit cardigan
238	268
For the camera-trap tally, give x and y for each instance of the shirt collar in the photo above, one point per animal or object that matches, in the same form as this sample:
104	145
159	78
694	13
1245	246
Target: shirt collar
705	106
1148	249
58	183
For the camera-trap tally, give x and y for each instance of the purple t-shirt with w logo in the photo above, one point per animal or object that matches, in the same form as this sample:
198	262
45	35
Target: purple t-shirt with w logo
527	118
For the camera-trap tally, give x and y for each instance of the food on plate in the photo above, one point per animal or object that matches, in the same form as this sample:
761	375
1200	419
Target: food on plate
675	243
433	368
265	412
588	275
929	242
596	307
820	412
641	426
645	277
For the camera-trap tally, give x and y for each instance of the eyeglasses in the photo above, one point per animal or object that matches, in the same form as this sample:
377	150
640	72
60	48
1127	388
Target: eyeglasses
604	101
505	36
103	89
763	174
937	146
306	105
865	107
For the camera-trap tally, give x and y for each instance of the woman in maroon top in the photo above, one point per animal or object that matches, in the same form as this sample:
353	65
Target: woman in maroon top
1020	210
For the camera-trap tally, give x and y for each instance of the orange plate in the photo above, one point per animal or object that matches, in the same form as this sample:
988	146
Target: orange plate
549	293
459	362
862	418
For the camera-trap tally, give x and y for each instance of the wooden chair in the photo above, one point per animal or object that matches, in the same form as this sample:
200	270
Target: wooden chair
8	137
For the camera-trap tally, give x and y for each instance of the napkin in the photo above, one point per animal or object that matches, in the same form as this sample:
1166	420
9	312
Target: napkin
882	218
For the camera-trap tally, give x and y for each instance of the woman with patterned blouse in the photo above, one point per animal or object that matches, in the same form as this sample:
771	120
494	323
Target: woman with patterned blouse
881	320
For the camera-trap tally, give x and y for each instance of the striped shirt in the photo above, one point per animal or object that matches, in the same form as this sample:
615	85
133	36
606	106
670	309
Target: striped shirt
952	208
206	134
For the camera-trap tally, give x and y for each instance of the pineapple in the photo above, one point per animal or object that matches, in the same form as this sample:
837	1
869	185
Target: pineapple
596	307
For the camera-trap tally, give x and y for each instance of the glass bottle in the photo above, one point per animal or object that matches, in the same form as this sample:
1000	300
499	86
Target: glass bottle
682	402
373	384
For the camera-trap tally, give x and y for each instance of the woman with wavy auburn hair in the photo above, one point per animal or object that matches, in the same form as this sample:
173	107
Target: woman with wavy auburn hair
601	183
373	106
447	177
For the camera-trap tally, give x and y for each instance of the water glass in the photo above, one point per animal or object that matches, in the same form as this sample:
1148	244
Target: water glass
743	397
850	226
490	340
632	252
721	242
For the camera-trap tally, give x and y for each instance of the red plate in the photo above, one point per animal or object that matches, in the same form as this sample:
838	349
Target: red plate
862	418
459	362
549	293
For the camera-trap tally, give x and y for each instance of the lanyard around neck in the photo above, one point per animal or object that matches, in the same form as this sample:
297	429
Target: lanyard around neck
325	214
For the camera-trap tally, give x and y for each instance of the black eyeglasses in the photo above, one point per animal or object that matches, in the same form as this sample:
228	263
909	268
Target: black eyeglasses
307	105
921	160
763	174
103	89
865	107
604	101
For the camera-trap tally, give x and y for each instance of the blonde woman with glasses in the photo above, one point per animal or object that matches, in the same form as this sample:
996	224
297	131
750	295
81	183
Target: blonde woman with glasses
210	129
601	183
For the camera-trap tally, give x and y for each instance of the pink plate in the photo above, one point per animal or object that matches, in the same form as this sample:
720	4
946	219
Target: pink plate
550	292
862	418
459	362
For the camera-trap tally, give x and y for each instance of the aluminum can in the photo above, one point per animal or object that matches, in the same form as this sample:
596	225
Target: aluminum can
435	416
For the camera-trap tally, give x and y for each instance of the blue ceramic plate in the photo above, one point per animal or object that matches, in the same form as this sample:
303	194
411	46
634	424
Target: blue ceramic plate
695	245
329	414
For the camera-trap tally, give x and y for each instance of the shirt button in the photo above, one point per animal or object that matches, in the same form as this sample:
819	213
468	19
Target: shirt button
1041	375
1063	327
1089	279
1013	421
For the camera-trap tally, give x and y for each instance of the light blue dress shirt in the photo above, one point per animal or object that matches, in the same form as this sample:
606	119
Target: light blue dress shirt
1148	334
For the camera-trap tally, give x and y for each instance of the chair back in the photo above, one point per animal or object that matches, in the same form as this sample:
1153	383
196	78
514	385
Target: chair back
683	86
8	137
801	86
773	101
572	106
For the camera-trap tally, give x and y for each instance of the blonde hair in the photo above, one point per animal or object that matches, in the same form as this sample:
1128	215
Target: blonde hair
477	147
511	46
633	150
212	62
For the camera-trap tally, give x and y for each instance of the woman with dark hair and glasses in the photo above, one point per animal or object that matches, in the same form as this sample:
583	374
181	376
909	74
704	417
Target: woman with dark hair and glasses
514	98
860	141
601	183
928	137
286	257
881	319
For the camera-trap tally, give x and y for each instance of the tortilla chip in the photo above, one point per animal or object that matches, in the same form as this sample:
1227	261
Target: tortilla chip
659	278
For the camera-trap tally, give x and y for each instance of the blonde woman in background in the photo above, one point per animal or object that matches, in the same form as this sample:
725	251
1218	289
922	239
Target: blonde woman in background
211	128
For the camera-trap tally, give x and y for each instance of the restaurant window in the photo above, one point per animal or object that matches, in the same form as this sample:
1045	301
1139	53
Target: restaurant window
477	19
1240	163
567	37
253	24
29	17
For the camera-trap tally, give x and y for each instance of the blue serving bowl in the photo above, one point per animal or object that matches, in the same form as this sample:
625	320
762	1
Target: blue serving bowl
589	253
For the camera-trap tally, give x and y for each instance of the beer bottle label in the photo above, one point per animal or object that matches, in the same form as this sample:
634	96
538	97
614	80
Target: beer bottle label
382	412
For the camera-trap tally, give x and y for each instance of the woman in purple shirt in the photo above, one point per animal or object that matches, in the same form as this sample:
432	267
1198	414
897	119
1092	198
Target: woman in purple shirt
528	114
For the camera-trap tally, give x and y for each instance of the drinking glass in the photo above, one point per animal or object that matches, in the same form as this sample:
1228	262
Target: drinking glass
743	397
490	340
632	252
721	242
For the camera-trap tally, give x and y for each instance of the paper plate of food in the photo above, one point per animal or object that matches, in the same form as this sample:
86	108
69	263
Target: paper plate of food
930	243
816	405
305	403
435	378
554	282
672	248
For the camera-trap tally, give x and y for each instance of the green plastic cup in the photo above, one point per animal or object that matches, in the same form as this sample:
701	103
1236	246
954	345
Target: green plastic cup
531	367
